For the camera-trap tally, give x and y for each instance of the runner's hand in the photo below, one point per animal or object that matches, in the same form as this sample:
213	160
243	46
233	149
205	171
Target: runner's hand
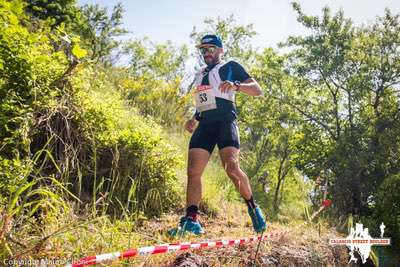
190	125
225	86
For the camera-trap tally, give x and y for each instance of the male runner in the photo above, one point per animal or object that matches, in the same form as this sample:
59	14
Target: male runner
216	86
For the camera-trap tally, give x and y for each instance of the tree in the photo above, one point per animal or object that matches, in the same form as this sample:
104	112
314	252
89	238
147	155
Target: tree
269	129
345	79
99	32
161	61
61	11
153	78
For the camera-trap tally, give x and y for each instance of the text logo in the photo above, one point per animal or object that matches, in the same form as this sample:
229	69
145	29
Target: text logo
361	242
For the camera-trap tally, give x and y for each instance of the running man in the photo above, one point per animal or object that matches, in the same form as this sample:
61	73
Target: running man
216	86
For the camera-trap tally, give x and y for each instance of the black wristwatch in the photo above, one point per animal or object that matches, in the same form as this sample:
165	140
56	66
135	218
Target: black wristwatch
237	85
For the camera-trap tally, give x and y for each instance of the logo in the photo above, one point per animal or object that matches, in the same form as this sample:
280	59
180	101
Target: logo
207	40
203	88
361	242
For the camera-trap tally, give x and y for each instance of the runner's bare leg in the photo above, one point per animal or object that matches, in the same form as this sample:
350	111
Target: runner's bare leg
230	161
198	159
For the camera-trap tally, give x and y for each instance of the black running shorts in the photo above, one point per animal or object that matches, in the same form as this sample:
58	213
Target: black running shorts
207	135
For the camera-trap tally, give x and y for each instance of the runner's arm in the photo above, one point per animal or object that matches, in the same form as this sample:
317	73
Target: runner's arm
251	87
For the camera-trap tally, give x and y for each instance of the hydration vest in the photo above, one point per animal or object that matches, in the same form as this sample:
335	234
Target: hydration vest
215	80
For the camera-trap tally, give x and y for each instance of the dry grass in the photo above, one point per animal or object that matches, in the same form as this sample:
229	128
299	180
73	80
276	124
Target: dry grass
300	247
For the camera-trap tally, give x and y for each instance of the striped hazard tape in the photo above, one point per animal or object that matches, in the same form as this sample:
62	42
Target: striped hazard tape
91	260
166	248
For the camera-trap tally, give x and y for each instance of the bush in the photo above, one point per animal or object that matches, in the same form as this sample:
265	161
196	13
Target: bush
130	161
388	207
111	155
28	66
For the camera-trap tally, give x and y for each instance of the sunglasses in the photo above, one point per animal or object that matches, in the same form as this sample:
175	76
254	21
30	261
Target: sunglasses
210	49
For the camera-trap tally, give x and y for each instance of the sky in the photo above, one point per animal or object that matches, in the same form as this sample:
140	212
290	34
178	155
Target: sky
274	21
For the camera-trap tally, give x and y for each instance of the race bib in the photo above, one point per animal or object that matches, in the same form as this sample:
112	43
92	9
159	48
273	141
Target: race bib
205	98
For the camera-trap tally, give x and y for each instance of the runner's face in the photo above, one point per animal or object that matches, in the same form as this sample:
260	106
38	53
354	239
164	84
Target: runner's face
211	54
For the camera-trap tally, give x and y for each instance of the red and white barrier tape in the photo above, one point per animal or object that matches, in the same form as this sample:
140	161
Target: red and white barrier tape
166	248
91	260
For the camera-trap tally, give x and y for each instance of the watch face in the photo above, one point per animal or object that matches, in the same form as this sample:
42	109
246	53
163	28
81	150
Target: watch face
237	85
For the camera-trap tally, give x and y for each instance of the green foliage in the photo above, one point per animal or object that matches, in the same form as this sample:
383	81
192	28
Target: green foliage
78	52
344	77
27	198
159	61
268	133
388	207
12	173
99	32
136	165
97	28
58	12
58	133
153	80
29	66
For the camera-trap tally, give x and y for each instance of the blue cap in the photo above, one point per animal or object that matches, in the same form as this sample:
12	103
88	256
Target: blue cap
210	39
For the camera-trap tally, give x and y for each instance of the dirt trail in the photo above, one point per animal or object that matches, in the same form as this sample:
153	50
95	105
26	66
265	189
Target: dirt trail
305	246
294	249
